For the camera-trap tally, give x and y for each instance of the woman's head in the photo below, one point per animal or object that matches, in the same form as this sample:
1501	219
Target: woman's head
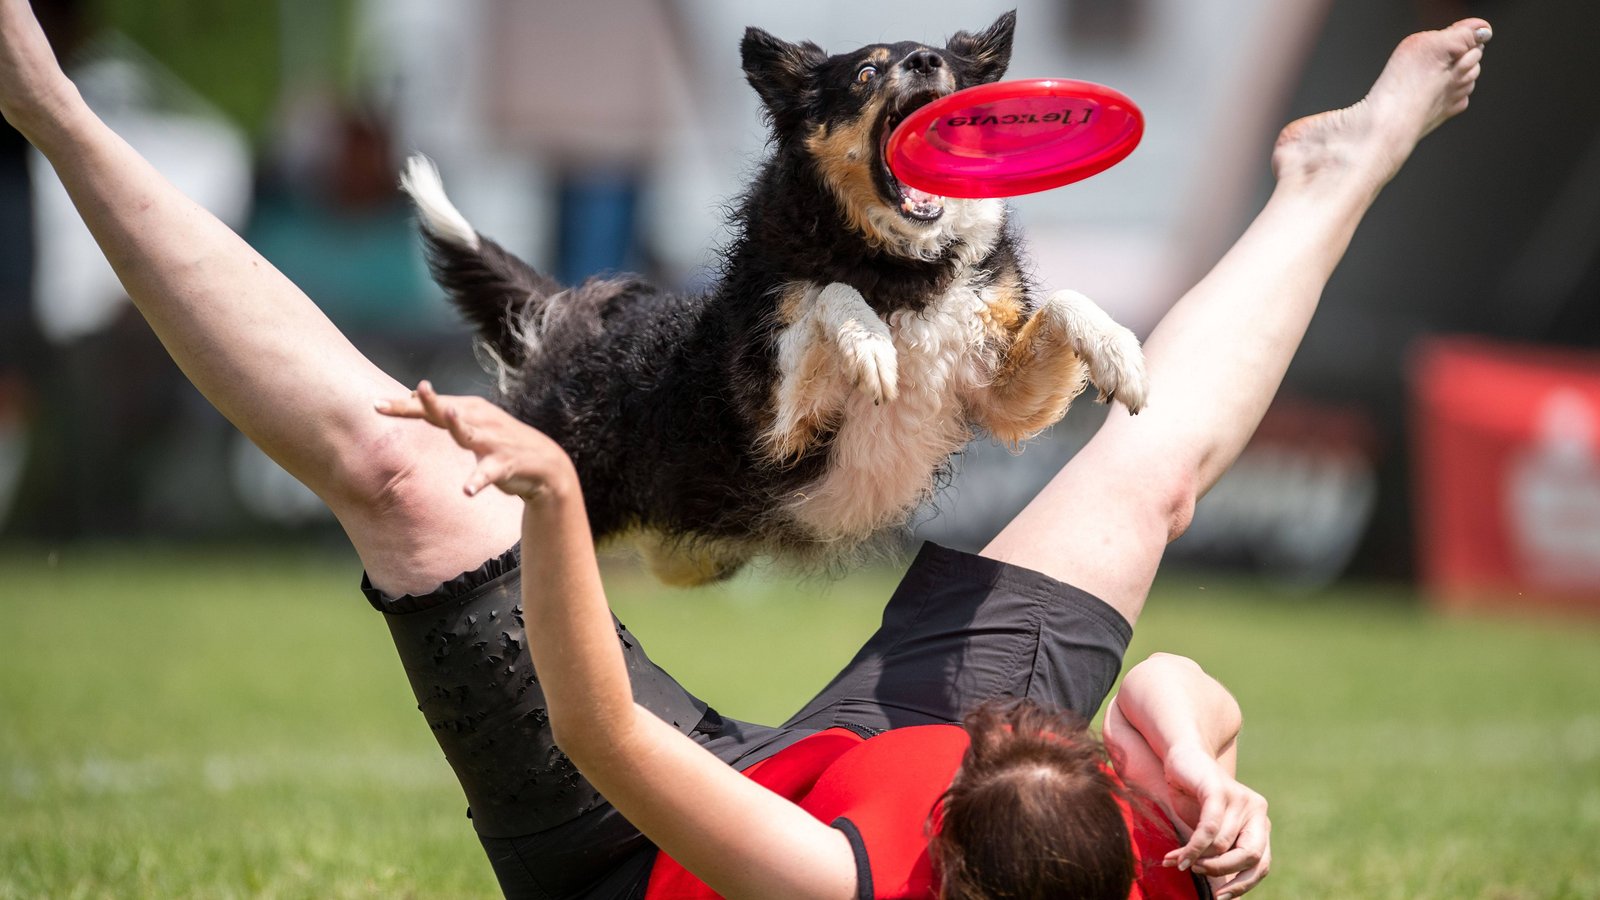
1032	812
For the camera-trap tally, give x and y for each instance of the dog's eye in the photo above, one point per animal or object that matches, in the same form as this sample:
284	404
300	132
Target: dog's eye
866	74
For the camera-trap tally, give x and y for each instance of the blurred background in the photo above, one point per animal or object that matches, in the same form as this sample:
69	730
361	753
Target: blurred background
1399	580
609	135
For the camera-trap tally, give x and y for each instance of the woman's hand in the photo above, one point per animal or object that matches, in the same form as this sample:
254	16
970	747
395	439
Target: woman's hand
1172	731
513	456
1231	842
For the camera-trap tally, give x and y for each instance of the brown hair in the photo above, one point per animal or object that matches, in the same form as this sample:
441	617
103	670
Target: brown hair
1032	812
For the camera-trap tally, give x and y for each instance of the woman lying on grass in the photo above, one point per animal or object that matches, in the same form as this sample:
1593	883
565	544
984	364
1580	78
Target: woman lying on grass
874	789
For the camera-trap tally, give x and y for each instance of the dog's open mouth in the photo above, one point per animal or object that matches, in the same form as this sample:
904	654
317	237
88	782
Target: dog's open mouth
913	203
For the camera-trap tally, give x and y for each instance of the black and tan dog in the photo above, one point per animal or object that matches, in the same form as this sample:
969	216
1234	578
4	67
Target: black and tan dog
861	333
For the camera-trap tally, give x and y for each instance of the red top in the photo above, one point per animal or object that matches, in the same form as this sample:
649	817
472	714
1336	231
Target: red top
881	792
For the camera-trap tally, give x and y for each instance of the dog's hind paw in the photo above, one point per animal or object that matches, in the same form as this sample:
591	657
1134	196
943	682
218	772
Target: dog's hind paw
1116	364
683	562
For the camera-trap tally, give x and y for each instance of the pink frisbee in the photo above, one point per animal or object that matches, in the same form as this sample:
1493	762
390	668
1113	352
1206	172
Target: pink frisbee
1014	137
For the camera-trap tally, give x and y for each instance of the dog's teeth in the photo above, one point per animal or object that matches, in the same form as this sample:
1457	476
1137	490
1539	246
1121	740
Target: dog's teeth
920	204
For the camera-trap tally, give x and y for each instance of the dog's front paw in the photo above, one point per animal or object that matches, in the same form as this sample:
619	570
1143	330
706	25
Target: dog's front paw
1117	369
1116	364
870	358
865	344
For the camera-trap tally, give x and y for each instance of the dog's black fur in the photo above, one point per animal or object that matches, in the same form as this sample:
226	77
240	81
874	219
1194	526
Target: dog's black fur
665	401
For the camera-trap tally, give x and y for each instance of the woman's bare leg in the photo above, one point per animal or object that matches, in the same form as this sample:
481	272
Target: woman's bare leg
1216	359
256	346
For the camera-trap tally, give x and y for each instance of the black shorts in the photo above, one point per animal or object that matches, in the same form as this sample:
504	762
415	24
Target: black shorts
959	630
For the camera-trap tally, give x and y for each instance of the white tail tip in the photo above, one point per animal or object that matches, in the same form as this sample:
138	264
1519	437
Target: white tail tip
421	180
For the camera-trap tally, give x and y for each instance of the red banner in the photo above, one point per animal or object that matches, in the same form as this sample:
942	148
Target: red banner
1507	473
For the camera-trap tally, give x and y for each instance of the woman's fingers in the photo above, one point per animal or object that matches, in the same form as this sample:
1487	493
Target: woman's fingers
1235	860
408	407
490	470
460	429
1226	819
1212	810
1249	859
1247	879
422	403
443	412
1228	831
512	456
436	409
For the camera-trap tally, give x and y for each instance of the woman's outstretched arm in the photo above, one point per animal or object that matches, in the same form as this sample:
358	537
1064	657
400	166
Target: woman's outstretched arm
1173	731
251	341
735	835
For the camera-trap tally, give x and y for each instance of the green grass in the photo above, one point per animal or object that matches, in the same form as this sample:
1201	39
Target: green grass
182	723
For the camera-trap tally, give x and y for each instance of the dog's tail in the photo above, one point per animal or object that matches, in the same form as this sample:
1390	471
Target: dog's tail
502	296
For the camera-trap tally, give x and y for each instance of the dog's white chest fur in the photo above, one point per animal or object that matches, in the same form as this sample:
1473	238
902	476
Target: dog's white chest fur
893	394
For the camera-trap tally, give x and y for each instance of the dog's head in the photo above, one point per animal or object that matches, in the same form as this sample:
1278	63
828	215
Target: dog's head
840	110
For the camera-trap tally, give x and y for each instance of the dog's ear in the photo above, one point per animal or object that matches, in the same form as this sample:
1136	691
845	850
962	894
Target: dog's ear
988	52
781	73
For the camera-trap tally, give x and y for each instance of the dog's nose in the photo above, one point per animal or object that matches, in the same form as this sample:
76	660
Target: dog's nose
924	62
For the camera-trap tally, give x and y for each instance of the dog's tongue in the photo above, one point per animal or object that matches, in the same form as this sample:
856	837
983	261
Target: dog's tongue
920	203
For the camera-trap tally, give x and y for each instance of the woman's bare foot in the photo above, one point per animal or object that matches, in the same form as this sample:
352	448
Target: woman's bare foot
1426	81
